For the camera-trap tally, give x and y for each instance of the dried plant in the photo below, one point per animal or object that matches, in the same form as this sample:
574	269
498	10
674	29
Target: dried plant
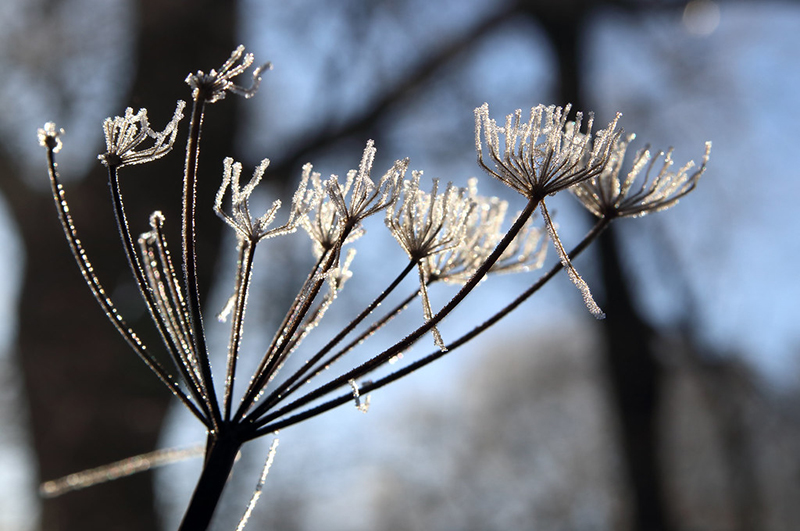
451	235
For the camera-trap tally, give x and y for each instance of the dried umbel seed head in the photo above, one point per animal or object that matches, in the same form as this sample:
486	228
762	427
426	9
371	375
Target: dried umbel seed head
609	195
340	208
426	224
125	134
246	226
544	154
214	86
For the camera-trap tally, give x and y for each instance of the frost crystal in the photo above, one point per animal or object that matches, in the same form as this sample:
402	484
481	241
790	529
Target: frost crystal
50	137
259	486
124	134
361	406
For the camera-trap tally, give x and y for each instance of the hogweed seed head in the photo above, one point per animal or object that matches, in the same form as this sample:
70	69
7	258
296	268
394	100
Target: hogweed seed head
247	227
365	197
323	224
429	223
340	208
546	153
607	195
124	134
543	156
214	86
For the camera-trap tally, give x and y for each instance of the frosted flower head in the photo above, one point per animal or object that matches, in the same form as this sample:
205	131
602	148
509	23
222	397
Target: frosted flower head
359	197
484	229
323	224
246	226
544	154
340	208
425	224
429	223
125	134
216	84
50	137
609	195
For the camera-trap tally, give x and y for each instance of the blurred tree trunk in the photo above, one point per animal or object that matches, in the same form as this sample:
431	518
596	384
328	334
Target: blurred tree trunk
634	372
91	400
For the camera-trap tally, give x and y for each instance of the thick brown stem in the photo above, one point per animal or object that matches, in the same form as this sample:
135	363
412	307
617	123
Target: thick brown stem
220	458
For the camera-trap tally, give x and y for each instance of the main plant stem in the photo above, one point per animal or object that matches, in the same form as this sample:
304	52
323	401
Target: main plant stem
220	457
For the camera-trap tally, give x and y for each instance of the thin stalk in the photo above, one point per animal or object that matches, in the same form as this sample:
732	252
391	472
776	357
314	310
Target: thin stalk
251	391
144	288
409	340
367	387
244	276
273	357
189	237
180	321
100	296
278	394
380	323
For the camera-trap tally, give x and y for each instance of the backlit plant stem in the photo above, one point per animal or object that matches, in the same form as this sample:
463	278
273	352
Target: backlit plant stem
367	387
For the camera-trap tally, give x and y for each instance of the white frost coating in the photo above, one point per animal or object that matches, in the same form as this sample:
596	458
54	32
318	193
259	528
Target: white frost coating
259	486
576	279
362	407
124	134
119	469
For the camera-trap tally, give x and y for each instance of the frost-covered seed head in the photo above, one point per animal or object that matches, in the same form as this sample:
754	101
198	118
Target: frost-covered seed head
607	195
216	84
544	154
246	226
365	197
341	208
125	134
428	223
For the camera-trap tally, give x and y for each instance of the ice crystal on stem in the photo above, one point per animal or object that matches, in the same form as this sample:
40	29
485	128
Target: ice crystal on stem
50	137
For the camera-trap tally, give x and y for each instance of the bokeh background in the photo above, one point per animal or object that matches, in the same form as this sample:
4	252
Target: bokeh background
677	412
